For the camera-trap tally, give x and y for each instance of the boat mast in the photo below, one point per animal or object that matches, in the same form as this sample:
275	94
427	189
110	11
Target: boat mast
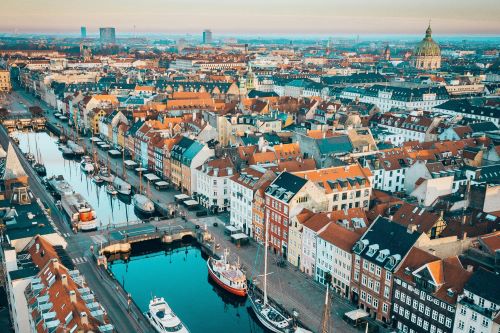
140	181
265	259
124	174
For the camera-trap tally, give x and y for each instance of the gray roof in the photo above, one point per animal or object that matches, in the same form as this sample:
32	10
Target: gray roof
334	145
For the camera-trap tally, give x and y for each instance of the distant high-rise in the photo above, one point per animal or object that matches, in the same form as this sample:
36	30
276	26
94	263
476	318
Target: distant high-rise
83	32
107	35
207	36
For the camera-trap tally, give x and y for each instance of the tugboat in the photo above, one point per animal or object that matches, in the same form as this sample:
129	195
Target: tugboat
162	318
227	276
86	164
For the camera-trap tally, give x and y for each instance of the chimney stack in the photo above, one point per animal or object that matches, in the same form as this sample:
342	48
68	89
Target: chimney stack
64	280
72	296
84	318
470	268
56	264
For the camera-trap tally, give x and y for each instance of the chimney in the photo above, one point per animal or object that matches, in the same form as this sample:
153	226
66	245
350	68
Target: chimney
37	245
470	268
56	264
411	228
64	280
464	236
84	318
72	296
390	217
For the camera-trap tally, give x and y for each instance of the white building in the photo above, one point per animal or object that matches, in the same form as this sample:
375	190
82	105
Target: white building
388	169
242	188
388	97
212	184
478	308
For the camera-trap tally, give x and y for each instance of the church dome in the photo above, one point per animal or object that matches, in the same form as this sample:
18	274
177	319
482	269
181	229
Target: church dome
427	47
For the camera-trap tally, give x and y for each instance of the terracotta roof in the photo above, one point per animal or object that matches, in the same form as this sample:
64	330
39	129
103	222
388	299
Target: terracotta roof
410	214
340	236
222	165
328	176
492	241
297	165
41	251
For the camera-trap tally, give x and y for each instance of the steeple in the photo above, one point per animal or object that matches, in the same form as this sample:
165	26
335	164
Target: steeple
428	32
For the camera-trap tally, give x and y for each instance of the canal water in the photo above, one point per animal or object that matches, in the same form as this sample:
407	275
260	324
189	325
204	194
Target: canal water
179	274
109	209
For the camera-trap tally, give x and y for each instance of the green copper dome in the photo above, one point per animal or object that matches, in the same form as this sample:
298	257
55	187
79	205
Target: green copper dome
427	47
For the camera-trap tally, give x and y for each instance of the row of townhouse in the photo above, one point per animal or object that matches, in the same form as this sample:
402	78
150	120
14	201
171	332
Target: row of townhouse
403	128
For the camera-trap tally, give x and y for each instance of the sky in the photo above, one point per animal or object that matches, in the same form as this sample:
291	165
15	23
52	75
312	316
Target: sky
330	17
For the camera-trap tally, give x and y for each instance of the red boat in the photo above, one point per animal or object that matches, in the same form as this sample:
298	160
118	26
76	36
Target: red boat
227	276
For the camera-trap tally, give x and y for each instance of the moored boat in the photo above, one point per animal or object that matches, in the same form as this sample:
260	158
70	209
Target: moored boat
98	180
227	276
59	186
105	174
75	148
162	318
40	169
143	204
110	189
86	164
67	152
121	186
80	212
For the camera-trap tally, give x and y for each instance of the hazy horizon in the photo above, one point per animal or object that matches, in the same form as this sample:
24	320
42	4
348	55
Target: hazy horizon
312	17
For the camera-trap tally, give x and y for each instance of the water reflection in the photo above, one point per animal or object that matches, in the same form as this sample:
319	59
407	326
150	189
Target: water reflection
179	274
110	209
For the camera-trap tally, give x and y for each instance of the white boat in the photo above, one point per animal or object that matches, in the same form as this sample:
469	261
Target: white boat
162	318
96	179
81	214
143	204
110	189
59	185
67	152
122	186
77	149
86	164
269	315
105	174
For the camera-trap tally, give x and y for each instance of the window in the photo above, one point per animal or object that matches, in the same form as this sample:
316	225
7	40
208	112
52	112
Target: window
378	270
370	284
372	267
421	307
433	329
485	322
388	276
365	264
426	325
375	303
460	325
369	299
419	322
427	311
415	304
441	319
396	294
386	292
363	295
363	280
448	322
434	315
396	307
472	329
407	314
463	311
377	287
385	307
413	318
474	316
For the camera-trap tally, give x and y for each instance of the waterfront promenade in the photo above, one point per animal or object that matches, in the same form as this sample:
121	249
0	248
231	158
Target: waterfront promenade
286	285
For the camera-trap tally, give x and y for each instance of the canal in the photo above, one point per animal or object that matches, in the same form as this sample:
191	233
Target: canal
109	209
179	274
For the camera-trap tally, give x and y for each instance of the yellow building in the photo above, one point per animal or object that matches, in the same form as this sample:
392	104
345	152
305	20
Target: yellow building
94	117
5	81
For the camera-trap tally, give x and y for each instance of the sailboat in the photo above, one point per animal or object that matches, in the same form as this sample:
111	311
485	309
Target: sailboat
141	202
269	315
38	166
120	184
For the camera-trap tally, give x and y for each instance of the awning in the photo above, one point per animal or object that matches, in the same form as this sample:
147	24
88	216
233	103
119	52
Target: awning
114	152
129	163
151	177
190	202
232	228
161	183
239	236
95	139
356	314
141	169
181	197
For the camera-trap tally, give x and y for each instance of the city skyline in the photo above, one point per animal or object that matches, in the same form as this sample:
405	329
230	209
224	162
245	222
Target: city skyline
277	17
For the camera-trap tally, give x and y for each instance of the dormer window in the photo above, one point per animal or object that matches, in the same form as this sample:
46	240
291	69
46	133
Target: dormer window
382	255
372	249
